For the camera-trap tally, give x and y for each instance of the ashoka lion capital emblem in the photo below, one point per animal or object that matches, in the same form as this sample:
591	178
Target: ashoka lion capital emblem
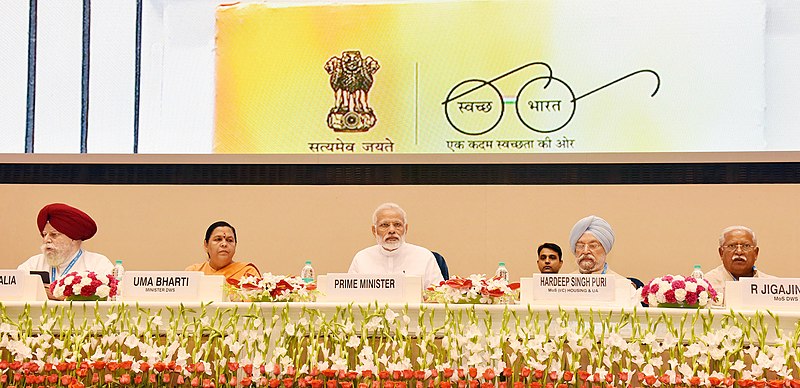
351	79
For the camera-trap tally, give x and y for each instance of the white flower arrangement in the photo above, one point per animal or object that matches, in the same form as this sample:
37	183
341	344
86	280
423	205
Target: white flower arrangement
271	288
85	285
474	289
676	290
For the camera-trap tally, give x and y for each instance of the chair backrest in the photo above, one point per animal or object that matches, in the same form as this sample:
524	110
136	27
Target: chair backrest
442	265
636	282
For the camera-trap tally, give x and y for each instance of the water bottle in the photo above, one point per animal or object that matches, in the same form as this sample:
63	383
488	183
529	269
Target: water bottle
697	273
502	271
117	273
307	273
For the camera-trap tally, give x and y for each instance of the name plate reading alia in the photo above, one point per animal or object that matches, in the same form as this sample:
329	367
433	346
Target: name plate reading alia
769	293
18	285
344	287
161	285
552	289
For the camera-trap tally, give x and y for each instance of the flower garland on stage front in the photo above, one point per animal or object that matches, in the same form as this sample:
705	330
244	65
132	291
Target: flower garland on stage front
476	289
373	346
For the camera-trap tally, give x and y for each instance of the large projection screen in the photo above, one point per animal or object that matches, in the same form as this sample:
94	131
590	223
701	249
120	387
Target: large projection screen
433	81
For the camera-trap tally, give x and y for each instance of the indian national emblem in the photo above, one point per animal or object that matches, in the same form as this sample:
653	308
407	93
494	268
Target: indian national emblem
351	79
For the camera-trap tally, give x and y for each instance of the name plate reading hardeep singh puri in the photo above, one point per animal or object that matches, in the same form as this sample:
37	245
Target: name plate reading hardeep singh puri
768	293
161	285
341	287
550	289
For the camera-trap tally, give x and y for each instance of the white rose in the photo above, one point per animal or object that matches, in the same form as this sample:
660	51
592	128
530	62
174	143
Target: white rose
680	295
76	289
691	287
103	291
59	290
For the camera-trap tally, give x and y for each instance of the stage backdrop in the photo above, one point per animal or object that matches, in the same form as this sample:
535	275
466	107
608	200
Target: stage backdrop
491	77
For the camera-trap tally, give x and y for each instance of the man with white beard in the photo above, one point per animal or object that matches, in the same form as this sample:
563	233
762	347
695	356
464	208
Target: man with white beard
63	229
591	240
738	250
392	254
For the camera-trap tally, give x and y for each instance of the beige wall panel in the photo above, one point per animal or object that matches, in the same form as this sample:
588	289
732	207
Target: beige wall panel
660	228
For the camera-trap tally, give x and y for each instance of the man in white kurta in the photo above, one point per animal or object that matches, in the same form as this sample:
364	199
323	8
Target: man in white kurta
392	255
63	229
85	261
738	250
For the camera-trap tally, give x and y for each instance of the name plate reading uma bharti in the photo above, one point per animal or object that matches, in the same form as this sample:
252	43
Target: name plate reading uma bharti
551	289
161	285
365	288
770	293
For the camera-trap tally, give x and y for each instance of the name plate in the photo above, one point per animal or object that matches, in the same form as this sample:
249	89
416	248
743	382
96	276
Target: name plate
555	289
161	285
16	285
767	293
344	287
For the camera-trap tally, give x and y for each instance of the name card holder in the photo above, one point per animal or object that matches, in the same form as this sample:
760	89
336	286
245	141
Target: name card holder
170	286
21	286
575	290
362	288
763	293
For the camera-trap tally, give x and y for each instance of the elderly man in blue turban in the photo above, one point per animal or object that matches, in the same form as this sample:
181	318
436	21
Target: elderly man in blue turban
591	240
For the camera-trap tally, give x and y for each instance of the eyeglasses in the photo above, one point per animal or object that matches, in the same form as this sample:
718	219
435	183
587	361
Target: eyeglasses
592	246
734	247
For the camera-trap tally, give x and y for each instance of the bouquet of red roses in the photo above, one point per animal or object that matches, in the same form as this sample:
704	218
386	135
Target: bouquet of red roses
85	285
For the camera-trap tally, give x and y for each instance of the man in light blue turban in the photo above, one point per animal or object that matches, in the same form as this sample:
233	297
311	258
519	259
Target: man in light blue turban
591	239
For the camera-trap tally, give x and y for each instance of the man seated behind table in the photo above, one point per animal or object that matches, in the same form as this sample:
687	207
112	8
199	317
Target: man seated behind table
63	229
549	260
591	240
392	254
220	245
738	250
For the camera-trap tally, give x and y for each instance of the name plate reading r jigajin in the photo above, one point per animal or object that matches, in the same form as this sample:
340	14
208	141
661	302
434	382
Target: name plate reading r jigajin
770	293
365	288
572	287
161	285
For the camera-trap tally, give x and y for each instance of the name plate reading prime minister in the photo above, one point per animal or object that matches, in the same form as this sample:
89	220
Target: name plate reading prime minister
767	293
344	287
161	285
553	289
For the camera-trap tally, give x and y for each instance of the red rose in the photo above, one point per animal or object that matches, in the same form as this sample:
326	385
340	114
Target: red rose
459	283
280	288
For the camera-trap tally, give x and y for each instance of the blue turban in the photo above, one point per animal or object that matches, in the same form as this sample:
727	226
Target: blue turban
598	227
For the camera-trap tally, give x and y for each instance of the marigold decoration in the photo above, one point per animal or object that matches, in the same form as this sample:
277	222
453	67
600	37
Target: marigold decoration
271	288
474	289
85	285
678	291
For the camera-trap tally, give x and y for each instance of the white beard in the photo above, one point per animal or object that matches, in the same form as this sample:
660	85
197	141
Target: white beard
391	246
54	258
